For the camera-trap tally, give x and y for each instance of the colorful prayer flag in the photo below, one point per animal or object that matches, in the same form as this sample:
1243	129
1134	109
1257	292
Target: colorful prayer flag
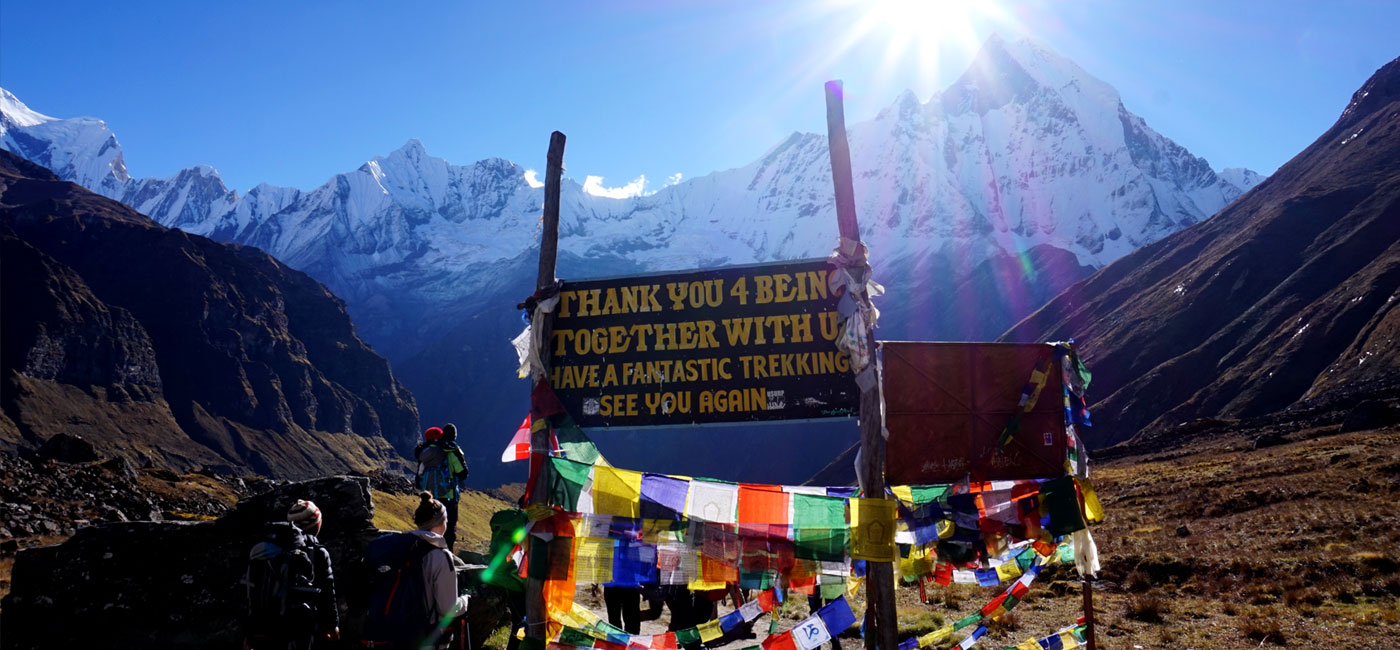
663	497
519	447
872	529
763	504
617	492
710	631
810	633
713	502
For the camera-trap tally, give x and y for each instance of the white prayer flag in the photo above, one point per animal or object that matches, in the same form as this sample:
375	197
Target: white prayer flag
810	633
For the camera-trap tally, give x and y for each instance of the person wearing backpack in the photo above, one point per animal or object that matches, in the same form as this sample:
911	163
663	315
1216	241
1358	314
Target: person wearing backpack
413	580
441	470
291	588
507	532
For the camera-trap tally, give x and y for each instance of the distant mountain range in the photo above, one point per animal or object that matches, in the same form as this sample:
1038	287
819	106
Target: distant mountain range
1289	296
171	349
979	204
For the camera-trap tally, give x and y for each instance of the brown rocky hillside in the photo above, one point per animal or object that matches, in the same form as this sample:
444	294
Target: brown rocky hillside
172	350
1288	294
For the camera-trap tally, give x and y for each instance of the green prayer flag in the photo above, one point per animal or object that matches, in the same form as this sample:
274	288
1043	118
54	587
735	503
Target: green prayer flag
819	527
573	442
566	480
1083	371
575	636
928	493
687	636
1067	552
967	620
1060	499
607	628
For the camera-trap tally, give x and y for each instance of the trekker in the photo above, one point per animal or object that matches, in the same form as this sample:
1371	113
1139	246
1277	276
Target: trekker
291	587
414	577
441	470
507	531
624	608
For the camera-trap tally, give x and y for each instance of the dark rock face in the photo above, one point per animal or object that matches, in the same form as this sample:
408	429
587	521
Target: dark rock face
1370	414
1285	298
168	348
176	584
68	449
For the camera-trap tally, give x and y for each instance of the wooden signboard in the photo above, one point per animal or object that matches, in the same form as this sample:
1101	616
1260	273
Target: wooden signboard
947	403
735	344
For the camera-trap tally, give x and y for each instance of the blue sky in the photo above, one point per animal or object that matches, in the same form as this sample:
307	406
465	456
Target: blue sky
293	92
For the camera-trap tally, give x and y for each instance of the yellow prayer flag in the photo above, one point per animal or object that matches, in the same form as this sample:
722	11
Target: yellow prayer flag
710	631
1093	510
617	492
699	584
1068	642
872	530
1029	644
945	528
593	560
539	511
581	616
912	567
1008	571
904	493
936	637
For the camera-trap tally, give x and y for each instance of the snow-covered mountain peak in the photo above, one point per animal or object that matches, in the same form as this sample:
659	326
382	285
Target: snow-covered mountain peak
14	112
80	149
1006	72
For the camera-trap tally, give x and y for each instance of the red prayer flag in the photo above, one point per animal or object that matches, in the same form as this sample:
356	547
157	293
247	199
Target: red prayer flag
780	642
762	504
519	447
943	575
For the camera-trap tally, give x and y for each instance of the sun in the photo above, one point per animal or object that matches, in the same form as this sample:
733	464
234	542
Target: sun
919	30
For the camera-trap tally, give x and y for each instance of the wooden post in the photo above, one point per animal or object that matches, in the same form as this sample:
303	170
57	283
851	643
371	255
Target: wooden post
1091	642
535	614
880	591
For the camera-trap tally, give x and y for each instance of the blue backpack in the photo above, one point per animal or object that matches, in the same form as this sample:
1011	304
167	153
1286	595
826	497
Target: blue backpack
398	603
435	473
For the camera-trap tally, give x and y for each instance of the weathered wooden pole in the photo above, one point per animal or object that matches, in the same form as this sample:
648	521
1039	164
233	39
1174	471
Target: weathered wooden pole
880	590
1091	643
535	615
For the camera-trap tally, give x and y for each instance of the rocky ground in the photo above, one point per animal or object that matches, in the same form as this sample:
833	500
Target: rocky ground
1276	531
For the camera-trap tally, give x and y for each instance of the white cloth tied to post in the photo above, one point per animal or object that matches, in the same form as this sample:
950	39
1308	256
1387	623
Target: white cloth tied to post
530	341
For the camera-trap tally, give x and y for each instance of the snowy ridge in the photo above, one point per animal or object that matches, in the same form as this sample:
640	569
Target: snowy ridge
1025	149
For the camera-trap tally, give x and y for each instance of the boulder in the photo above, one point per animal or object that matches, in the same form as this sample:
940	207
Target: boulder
1368	415
67	448
178	584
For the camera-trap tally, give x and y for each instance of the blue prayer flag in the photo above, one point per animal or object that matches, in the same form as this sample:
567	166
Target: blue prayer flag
837	616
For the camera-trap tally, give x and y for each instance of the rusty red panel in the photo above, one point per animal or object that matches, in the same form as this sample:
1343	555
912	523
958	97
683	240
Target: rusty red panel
946	404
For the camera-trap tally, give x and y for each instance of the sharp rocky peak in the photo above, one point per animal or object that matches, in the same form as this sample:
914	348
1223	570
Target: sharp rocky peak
1005	72
13	112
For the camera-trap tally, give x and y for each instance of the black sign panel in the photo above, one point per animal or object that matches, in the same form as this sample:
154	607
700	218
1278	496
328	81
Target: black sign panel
736	344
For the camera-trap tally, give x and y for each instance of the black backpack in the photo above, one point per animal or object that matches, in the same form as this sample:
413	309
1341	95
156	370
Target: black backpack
398	601
281	581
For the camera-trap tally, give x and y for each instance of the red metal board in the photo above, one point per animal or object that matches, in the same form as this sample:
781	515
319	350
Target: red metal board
947	403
